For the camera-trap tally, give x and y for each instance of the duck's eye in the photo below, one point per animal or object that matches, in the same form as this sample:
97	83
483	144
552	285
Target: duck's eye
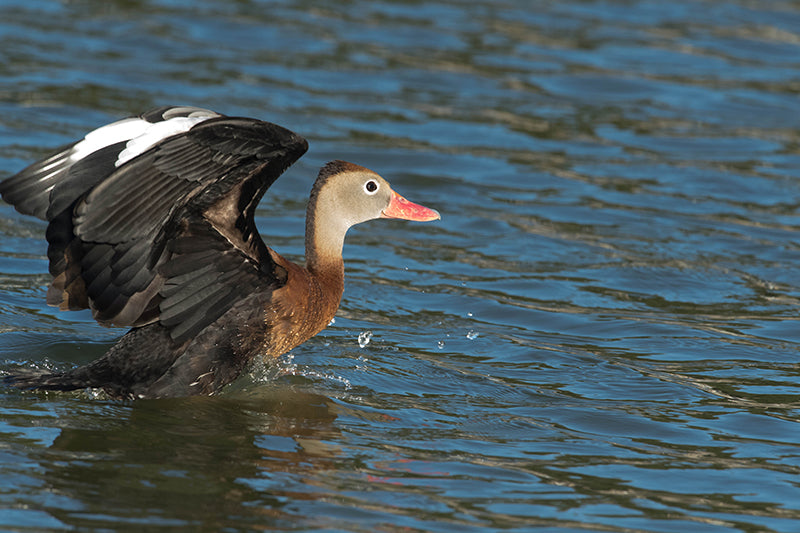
371	187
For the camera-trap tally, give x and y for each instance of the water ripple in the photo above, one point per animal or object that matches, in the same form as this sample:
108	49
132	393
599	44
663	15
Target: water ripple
601	333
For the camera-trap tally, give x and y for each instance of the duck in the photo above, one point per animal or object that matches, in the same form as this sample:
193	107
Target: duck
151	226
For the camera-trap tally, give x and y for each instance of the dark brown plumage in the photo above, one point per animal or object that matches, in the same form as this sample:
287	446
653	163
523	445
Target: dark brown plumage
151	226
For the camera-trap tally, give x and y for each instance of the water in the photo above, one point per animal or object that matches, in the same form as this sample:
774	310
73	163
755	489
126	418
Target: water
600	334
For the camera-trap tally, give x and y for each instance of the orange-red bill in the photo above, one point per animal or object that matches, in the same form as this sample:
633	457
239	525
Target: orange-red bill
399	207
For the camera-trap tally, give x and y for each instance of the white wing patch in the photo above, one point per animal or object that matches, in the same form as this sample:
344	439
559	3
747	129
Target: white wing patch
122	130
140	135
154	134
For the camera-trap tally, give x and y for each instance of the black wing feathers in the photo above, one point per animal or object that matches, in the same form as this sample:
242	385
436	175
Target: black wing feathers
82	176
29	190
204	277
169	235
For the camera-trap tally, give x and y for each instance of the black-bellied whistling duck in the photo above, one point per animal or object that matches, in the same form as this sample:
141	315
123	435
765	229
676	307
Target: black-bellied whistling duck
151	226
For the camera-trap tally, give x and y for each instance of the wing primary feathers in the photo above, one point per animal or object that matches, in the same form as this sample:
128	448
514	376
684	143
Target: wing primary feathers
81	177
29	190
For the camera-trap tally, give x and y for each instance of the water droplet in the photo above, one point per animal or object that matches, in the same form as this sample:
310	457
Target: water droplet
469	314
332	322
440	344
328	376
472	335
363	338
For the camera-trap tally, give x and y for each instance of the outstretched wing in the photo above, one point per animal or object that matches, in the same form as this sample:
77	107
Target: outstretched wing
154	219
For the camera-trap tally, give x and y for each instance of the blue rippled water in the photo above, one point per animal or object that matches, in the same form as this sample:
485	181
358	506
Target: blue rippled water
601	334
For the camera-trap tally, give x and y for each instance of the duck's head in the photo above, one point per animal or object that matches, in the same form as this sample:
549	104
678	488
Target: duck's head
346	194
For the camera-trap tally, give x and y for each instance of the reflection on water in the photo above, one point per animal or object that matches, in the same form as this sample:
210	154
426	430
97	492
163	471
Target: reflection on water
112	464
601	333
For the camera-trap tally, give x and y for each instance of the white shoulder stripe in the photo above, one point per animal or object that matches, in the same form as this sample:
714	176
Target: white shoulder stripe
139	134
122	130
156	133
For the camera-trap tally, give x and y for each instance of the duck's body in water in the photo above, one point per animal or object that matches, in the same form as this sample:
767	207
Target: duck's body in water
151	226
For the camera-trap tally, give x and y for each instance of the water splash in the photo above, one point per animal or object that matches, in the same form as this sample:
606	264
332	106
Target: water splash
325	376
472	335
364	338
264	370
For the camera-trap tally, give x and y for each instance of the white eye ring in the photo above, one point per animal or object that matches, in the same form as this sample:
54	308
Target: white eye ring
371	187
